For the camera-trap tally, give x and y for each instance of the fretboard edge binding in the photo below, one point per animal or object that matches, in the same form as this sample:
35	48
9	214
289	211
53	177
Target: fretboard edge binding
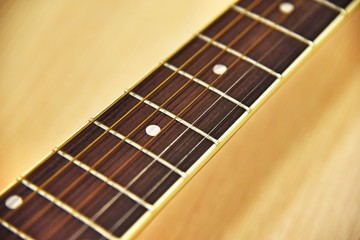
239	55
106	180
142	149
67	208
175	117
273	25
204	84
14	230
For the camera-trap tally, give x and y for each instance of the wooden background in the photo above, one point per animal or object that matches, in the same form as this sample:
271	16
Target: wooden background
292	172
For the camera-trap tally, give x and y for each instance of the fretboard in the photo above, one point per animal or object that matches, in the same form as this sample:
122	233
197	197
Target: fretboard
118	171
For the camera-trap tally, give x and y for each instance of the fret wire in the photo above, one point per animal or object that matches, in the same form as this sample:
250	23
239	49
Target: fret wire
71	211
106	180
15	230
192	57
274	25
331	5
176	117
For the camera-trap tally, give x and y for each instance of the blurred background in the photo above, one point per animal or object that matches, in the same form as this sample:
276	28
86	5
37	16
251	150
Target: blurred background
292	172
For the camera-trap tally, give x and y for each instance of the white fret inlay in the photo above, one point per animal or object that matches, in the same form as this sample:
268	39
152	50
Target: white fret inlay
71	211
106	180
180	120
286	7
142	149
152	130
273	25
204	84
239	55
219	69
13	202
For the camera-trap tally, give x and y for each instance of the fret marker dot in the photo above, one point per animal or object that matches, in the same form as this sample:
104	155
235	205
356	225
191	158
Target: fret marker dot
13	202
219	69
286	7
153	130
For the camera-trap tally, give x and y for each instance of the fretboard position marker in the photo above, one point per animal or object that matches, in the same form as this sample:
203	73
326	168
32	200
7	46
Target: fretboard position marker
13	202
153	130
286	7
219	69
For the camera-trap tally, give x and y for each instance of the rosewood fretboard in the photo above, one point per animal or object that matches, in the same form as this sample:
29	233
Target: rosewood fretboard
115	174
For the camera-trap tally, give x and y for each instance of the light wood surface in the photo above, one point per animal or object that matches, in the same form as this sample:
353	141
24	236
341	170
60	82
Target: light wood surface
292	172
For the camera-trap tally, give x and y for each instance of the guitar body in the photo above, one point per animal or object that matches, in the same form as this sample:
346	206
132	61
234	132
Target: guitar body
291	172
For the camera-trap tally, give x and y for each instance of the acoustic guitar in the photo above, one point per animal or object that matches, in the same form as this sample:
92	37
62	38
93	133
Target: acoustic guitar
115	174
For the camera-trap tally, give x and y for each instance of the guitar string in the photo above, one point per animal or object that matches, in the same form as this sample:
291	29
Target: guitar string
154	188
219	34
130	211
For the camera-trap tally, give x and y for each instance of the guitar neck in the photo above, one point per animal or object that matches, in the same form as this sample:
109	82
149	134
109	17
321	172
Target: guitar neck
117	172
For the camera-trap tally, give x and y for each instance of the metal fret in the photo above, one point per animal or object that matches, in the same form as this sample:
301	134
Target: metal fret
106	180
175	117
14	230
141	148
239	55
204	84
272	24
71	211
331	5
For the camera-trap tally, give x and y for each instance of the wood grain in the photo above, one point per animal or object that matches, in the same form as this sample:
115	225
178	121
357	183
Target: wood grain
291	172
